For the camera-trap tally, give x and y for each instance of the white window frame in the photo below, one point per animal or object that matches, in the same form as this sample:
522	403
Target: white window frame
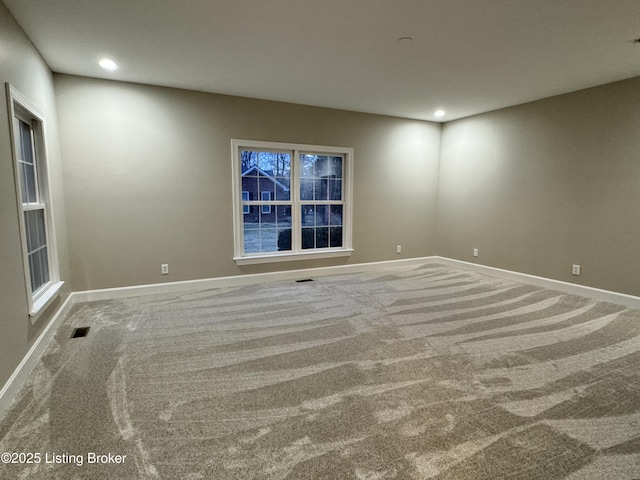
296	253
20	107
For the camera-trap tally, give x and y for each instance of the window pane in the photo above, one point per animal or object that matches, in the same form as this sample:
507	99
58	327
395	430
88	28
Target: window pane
31	233
336	170
29	190
253	237
308	215
322	237
284	239
283	225
335	216
27	164
283	188
37	248
32	230
268	239
266	197
35	229
335	236
307	165
42	233
32	275
328	167
322	215
266	173
44	266
267	188
273	164
264	226
245	198
308	238
250	186
320	177
39	268
322	226
283	216
18	137
25	141
335	190
306	189
248	161
322	190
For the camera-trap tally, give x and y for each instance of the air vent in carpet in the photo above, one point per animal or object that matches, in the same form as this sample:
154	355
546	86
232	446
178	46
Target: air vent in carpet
305	280
80	332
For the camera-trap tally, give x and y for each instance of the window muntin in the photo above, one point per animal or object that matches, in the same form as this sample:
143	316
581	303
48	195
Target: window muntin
296	196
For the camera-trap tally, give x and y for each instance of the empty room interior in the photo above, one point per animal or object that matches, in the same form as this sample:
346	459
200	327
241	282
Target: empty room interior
286	239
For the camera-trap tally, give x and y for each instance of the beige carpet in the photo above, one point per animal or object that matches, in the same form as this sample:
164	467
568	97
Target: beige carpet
410	373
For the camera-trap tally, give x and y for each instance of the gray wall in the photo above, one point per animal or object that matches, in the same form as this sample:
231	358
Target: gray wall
22	67
540	186
147	174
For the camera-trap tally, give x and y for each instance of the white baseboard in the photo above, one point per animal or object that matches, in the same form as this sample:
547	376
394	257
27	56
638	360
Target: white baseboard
22	371
566	287
241	280
17	380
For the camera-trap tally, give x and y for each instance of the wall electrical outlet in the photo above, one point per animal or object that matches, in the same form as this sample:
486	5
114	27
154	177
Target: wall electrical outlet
475	252
575	270
164	268
398	248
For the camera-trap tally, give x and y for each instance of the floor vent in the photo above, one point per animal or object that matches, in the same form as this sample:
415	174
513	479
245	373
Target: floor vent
80	332
305	280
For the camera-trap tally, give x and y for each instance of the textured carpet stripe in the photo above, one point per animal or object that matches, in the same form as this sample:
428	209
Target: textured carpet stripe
406	373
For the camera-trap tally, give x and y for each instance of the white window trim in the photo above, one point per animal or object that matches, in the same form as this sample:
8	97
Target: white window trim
347	181
46	294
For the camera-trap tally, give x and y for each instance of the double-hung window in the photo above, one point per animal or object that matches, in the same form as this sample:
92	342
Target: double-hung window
291	201
38	244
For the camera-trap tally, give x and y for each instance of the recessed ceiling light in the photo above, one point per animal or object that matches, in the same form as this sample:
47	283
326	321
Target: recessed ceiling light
108	64
405	40
439	113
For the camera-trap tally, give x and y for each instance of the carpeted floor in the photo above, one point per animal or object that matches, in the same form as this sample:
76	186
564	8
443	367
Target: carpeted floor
409	373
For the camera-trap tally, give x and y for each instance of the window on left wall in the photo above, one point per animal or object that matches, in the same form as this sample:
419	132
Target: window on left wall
34	201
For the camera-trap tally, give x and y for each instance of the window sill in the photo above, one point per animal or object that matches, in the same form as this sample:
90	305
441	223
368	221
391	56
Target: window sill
288	257
44	300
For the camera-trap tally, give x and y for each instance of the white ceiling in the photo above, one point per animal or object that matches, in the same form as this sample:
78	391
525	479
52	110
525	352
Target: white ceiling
466	57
